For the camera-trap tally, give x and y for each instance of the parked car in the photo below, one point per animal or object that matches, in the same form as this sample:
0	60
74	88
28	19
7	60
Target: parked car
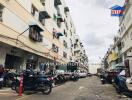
82	74
89	74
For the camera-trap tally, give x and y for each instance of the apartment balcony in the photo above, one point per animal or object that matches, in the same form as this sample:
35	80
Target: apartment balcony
66	9
55	48
77	50
59	17
57	34
44	13
57	2
34	33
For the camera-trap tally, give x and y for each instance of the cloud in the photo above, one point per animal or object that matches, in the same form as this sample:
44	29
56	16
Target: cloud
92	40
94	25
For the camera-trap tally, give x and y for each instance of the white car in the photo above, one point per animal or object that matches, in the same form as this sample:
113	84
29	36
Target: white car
82	73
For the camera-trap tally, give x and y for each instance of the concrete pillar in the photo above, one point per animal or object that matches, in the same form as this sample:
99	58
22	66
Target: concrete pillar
2	55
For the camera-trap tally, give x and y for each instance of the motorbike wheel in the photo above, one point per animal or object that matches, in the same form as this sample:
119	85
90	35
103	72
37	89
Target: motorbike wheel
13	86
47	89
103	81
1	85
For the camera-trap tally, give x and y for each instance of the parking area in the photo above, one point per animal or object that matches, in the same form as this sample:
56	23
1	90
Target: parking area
89	88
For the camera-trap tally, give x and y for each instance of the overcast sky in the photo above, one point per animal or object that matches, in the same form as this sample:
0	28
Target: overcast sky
94	25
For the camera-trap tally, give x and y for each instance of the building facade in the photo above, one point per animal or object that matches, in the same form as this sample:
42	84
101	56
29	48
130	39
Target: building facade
34	32
125	33
121	51
93	67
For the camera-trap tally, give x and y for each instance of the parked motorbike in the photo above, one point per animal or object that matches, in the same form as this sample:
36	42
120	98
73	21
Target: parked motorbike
102	78
15	82
1	81
74	77
59	79
32	82
1	76
9	77
120	84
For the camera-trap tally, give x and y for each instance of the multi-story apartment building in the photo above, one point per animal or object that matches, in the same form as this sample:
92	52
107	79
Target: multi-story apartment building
79	52
125	33
34	32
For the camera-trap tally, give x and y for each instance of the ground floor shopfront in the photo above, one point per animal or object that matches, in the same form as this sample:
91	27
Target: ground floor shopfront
127	59
17	59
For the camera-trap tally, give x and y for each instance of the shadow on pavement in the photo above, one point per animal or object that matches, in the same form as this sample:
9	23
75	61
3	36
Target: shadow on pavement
128	93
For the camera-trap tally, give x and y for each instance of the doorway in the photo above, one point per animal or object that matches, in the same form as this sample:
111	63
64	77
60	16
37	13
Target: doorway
12	62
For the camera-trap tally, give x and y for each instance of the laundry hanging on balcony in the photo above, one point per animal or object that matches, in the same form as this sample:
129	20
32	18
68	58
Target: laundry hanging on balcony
56	33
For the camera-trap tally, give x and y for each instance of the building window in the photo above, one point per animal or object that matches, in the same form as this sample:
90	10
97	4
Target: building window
66	9
58	23
1	12
55	34
65	33
71	32
65	44
122	44
66	25
42	21
57	2
43	2
75	46
131	35
55	48
77	40
64	54
33	10
34	33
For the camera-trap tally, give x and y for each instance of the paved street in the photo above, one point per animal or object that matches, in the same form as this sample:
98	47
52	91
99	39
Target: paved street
84	89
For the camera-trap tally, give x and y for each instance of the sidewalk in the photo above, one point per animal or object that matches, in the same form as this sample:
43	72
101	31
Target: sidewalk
5	91
9	91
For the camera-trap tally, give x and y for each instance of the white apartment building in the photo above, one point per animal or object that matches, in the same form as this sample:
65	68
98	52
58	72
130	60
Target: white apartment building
93	67
34	32
80	53
125	32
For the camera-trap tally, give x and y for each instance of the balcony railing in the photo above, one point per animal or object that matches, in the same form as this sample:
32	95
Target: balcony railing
66	9
34	33
59	17
57	34
55	48
57	2
44	12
